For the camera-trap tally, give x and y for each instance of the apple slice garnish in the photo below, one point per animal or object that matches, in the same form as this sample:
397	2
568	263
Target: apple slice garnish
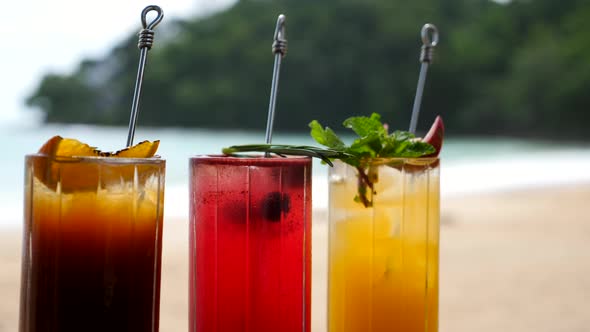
435	136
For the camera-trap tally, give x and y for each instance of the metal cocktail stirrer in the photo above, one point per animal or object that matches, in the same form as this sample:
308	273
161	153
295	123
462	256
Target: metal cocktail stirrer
430	40
146	39
279	49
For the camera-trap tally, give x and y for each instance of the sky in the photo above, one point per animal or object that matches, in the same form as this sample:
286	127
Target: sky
40	37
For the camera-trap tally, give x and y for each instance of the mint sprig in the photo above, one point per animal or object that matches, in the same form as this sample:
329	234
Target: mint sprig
373	141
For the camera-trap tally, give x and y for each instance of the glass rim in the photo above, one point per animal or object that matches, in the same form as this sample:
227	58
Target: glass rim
245	160
422	161
99	159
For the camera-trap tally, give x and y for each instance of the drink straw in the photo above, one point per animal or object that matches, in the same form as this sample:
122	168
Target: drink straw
146	39
279	49
429	41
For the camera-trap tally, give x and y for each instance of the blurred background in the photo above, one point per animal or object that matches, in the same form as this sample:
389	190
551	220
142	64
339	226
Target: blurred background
510	80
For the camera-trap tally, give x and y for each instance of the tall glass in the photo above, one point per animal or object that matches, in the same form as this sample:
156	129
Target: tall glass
383	259
250	244
92	244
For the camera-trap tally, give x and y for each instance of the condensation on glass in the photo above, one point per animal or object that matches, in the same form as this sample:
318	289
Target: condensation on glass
250	244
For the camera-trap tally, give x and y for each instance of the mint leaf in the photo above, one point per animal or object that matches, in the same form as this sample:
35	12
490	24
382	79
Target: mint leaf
326	137
364	126
367	146
396	143
402	135
417	149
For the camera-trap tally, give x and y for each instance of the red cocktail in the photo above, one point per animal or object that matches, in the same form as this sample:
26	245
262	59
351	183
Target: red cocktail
250	244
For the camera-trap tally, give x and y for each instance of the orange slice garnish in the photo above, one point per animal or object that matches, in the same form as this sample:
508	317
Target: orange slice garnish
73	174
144	149
67	147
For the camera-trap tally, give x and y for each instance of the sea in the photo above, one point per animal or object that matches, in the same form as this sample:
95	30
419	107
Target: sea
469	165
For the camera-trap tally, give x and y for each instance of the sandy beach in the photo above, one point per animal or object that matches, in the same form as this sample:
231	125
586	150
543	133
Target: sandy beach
510	261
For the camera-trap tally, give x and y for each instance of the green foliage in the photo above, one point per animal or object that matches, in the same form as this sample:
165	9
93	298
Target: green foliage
501	69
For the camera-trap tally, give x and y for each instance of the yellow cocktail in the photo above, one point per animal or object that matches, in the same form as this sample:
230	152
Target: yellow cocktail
383	256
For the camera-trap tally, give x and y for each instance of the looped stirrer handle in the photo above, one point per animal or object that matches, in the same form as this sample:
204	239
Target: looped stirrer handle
156	21
279	44
429	35
146	35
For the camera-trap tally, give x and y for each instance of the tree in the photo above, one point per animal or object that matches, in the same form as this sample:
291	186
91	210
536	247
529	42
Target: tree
511	69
